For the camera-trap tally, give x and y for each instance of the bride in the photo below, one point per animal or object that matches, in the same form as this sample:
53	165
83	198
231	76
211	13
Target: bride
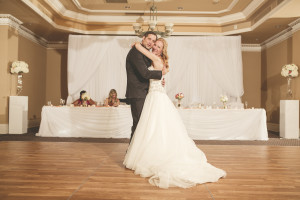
161	148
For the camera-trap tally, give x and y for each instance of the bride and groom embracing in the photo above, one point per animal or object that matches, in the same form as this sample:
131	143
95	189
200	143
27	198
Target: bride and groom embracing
160	147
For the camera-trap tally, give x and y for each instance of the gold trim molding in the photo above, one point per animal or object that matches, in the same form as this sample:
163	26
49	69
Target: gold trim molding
13	22
80	7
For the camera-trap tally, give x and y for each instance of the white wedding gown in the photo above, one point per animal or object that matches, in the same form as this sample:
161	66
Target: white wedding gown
161	148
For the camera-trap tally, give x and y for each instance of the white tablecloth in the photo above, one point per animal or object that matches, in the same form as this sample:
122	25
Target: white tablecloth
96	122
228	124
202	124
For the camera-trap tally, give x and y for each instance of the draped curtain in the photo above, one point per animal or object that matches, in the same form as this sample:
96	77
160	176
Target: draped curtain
201	67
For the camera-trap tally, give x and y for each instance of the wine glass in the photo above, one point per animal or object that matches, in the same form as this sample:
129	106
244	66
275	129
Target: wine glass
214	106
246	104
62	102
49	103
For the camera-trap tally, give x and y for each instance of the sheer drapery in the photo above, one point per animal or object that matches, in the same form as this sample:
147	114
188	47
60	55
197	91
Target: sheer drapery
205	67
202	67
97	64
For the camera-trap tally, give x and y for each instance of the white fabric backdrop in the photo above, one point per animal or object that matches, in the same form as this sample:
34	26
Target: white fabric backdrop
202	67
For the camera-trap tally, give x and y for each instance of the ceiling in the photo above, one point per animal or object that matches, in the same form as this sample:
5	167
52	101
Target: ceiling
53	20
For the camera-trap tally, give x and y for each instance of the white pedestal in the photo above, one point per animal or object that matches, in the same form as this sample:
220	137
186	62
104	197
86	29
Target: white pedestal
289	119
18	114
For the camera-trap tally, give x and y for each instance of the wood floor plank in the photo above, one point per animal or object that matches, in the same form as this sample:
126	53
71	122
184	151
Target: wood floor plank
90	171
260	172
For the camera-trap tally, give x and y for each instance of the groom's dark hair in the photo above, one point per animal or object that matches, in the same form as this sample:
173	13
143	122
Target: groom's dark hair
150	33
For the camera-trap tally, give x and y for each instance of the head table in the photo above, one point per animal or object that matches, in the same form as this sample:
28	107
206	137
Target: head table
116	122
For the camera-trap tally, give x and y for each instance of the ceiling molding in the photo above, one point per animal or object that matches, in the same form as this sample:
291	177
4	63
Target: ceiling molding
57	45
56	5
26	31
6	19
59	8
269	14
15	23
295	25
64	45
237	31
80	7
252	7
251	47
38	11
283	35
32	36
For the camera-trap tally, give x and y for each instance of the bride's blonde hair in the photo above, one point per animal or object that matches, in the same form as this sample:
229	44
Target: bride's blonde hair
164	53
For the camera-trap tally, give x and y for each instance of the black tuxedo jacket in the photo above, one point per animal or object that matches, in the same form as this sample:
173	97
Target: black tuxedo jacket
138	74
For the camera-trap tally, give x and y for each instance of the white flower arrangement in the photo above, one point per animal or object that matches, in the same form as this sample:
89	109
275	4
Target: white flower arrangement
223	98
290	70
85	97
19	67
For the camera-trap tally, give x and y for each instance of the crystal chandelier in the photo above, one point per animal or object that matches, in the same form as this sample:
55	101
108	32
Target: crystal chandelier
152	25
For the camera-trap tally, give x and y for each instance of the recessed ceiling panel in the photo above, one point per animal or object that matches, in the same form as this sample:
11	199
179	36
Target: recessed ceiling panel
164	5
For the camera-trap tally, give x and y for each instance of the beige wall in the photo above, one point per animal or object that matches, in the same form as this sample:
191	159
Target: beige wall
56	80
8	53
296	59
252	78
4	78
46	77
34	82
273	84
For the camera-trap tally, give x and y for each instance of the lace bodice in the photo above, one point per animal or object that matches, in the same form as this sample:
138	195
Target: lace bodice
155	85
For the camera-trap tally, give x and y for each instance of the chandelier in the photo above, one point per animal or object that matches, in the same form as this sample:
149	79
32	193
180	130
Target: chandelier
152	25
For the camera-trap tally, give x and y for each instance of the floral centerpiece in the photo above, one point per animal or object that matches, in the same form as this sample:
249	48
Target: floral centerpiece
19	67
224	99
289	71
179	96
85	97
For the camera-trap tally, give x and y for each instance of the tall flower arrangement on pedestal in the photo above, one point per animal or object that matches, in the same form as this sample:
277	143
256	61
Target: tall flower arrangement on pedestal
19	67
289	71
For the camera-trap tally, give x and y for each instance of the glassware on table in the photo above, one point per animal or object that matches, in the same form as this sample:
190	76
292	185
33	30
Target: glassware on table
214	106
62	102
246	104
49	103
202	106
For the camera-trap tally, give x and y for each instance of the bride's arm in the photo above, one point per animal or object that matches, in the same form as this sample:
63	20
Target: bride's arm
147	53
165	69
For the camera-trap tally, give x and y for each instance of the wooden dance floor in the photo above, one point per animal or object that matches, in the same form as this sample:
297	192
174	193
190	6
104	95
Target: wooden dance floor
88	171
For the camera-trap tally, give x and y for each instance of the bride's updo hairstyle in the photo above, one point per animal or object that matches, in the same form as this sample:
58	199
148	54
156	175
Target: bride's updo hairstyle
164	53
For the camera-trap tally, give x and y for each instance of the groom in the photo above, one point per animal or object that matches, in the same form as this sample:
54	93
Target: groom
138	77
